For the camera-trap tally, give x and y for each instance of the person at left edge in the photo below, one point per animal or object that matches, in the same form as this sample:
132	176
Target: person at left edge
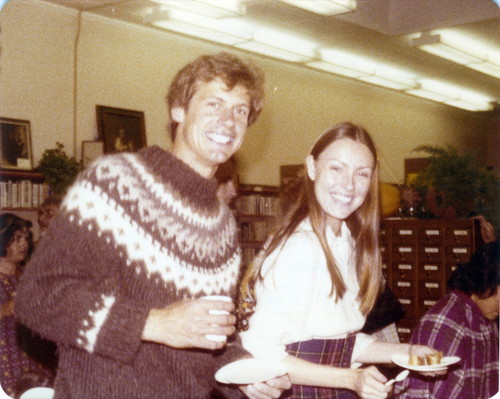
139	239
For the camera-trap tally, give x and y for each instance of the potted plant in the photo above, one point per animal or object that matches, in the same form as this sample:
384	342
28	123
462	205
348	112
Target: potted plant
59	169
454	181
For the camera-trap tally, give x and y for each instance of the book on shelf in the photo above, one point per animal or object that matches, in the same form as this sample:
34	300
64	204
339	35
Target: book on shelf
21	194
257	204
255	231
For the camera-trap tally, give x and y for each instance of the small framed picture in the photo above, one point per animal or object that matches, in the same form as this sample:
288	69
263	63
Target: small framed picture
15	144
120	129
91	150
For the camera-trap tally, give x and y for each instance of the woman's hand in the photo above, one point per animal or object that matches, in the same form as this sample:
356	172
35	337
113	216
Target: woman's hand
369	383
422	350
267	390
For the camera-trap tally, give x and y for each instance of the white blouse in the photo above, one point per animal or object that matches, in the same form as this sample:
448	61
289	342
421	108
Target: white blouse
293	302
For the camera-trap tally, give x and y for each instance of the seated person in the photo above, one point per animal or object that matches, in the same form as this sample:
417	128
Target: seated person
16	243
463	323
47	211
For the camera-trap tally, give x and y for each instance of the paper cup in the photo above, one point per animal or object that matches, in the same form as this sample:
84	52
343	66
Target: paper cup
213	337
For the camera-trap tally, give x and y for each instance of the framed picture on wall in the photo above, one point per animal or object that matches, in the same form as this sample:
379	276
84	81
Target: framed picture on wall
15	144
120	129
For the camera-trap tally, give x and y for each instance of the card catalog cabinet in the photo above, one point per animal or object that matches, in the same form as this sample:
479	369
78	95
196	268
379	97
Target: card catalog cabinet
418	258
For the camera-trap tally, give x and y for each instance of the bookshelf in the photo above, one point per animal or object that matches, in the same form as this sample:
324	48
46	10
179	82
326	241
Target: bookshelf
256	208
21	190
21	193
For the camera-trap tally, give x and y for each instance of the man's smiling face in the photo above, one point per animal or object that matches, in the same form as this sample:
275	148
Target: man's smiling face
213	126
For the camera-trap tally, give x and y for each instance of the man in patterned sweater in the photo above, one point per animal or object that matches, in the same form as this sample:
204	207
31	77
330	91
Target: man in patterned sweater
140	237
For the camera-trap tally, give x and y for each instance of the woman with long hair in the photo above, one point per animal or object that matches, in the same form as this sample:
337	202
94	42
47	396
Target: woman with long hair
320	275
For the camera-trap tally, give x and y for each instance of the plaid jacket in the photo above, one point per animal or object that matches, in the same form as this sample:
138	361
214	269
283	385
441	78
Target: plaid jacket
456	326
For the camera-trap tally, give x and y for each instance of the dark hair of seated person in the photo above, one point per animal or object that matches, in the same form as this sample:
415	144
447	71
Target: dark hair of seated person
481	275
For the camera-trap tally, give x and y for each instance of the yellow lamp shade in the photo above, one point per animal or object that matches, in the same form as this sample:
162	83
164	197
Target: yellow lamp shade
390	198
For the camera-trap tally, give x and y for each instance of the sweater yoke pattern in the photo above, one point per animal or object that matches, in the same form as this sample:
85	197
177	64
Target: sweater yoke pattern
147	222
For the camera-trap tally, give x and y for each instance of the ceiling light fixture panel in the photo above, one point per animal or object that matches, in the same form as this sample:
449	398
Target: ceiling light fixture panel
324	7
460	49
452	95
230	31
362	68
278	44
208	8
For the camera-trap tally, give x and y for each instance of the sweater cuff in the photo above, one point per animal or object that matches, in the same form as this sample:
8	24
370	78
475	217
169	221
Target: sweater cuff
121	334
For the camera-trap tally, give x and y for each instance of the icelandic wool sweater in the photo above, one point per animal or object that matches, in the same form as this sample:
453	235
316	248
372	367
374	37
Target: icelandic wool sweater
135	232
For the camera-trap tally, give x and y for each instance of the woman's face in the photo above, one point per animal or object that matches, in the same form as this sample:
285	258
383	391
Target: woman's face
17	251
342	176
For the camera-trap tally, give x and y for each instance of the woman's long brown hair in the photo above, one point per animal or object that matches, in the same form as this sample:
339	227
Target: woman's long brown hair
363	224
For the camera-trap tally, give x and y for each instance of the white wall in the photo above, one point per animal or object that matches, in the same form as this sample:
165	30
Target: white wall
127	66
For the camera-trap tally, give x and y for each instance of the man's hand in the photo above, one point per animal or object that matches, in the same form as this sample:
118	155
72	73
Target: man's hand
184	324
267	390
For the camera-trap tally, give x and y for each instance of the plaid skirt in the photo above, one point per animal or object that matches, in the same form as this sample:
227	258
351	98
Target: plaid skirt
331	352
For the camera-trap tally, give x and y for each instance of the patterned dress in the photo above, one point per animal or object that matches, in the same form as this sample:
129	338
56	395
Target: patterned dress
14	362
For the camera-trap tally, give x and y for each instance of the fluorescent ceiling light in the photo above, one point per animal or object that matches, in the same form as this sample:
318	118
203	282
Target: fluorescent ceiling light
461	50
208	8
428	95
367	70
280	45
227	31
387	82
338	70
393	78
487	68
451	95
469	106
273	52
360	66
324	7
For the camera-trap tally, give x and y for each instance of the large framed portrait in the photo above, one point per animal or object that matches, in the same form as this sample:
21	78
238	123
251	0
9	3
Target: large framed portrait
120	129
15	144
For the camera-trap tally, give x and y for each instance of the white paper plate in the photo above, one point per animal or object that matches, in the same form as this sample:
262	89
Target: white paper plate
38	393
402	360
249	371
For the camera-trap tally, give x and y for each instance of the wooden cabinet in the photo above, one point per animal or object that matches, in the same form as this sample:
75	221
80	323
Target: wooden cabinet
418	258
256	208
